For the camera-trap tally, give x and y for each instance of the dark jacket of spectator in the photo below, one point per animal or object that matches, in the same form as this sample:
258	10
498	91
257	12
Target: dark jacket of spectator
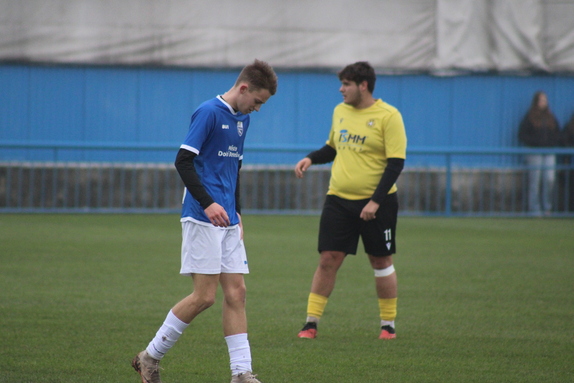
539	127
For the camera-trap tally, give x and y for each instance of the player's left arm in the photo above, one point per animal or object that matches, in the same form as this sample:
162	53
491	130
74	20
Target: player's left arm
395	147
390	176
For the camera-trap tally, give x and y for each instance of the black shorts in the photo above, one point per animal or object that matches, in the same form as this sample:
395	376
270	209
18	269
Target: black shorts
341	226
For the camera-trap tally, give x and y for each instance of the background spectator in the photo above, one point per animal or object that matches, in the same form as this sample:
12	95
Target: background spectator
540	129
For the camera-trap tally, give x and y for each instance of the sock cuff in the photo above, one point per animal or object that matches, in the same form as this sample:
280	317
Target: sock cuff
174	322
388	300
237	342
317	298
236	338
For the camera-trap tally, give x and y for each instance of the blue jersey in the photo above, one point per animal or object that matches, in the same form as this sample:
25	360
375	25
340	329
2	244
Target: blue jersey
216	134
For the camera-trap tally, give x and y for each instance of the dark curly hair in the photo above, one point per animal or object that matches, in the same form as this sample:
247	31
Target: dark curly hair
359	72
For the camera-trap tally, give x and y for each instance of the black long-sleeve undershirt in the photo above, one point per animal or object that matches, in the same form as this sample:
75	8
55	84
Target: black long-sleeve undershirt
323	156
186	169
390	175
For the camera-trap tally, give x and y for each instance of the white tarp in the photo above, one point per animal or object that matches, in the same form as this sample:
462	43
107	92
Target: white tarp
391	34
495	34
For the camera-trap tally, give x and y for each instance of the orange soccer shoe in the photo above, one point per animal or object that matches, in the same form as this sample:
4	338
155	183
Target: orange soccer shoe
309	331
387	332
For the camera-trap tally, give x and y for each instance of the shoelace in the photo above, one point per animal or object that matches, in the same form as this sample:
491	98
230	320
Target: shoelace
153	370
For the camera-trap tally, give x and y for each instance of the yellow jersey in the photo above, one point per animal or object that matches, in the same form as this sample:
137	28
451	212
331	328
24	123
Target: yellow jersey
364	140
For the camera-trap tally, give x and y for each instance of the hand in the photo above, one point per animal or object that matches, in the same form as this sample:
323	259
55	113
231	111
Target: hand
217	215
302	166
369	211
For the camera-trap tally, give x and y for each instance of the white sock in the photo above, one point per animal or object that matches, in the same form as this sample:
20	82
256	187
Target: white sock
166	336
388	323
239	353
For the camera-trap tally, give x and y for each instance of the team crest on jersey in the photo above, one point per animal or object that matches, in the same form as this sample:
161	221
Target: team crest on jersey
240	128
371	123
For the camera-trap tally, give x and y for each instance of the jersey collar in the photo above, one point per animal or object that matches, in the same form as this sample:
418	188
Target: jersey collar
226	104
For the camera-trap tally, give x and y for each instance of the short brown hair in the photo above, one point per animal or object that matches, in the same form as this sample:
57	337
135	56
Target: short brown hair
259	75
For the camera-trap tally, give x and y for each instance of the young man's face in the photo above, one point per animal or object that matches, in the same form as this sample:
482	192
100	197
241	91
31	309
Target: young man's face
351	92
249	101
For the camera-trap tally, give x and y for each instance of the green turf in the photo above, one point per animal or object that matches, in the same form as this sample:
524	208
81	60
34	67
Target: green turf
480	300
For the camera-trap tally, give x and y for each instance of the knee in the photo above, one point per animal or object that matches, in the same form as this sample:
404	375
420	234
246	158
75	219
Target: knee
204	301
331	260
236	295
379	263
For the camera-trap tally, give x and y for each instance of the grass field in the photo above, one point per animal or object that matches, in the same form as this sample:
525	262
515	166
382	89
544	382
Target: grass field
480	300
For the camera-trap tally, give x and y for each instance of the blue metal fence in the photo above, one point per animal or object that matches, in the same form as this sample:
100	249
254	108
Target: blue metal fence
495	182
107	104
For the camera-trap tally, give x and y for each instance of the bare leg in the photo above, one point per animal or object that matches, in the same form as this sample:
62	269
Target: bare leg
202	297
386	286
326	272
234	316
235	325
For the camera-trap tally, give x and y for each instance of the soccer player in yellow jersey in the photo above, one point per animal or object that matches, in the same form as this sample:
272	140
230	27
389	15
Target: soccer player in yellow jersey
367	143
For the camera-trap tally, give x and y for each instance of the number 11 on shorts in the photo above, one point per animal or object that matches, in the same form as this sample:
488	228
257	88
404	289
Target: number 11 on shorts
388	235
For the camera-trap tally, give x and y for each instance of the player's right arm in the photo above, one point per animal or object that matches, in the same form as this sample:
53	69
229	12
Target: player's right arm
322	156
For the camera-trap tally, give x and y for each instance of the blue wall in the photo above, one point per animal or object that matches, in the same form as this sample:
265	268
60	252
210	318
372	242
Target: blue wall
153	106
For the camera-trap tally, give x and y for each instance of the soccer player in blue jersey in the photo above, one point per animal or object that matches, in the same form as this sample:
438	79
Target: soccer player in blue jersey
212	251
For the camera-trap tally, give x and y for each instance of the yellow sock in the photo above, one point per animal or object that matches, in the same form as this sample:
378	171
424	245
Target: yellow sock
388	309
316	305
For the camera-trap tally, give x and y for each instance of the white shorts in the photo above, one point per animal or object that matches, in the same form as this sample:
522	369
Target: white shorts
212	250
